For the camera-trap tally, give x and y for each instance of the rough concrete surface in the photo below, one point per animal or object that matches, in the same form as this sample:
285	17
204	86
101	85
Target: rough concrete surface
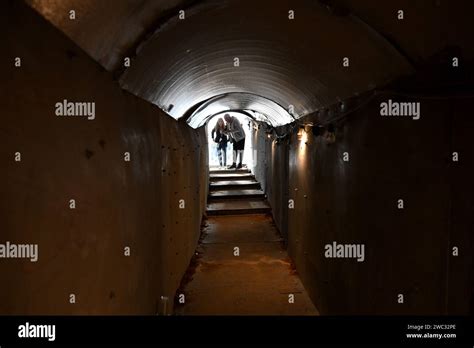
118	203
408	251
258	282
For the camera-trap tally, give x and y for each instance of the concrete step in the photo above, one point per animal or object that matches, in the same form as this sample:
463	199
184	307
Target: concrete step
238	207
235	194
234	184
229	171
226	176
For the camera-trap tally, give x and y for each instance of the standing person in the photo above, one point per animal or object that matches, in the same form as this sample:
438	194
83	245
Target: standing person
237	134
220	138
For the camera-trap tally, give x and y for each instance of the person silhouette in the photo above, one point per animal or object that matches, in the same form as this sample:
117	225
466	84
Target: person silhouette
220	138
237	135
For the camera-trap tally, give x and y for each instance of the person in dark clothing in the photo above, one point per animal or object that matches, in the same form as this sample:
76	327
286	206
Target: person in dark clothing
237	135
220	138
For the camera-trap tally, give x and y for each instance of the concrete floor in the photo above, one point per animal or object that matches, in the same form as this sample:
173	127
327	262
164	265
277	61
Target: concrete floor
257	282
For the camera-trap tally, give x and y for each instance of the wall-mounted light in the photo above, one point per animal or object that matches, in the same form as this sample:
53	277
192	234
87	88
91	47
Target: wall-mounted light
303	139
342	106
330	134
300	132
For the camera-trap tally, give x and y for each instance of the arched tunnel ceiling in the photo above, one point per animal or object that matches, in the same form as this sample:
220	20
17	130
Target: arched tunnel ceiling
186	62
107	29
267	110
294	63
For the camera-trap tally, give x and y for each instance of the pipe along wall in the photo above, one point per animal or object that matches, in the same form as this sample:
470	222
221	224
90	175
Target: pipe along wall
118	203
355	199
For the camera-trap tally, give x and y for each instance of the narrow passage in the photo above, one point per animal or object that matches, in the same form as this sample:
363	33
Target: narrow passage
241	266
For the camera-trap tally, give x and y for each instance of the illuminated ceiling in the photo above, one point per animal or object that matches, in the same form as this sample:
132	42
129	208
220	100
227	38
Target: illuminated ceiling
248	55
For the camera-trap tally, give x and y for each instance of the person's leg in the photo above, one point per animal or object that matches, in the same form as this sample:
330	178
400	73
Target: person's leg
241	157
216	152
234	156
224	151
219	155
240	148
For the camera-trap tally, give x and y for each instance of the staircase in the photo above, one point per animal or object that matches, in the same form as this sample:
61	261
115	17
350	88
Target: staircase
234	192
257	280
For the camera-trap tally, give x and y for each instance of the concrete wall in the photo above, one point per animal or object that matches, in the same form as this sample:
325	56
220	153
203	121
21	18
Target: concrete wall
271	170
118	203
406	251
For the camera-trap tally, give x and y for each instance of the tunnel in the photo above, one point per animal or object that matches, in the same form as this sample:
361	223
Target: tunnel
356	192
